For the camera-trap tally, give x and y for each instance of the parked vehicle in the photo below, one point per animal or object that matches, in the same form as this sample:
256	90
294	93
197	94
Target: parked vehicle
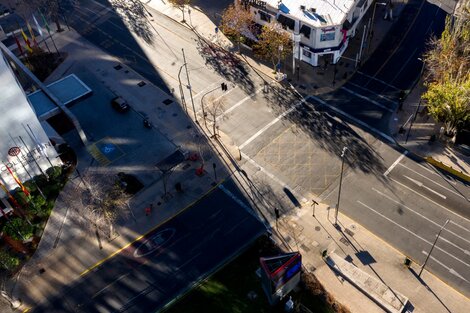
120	105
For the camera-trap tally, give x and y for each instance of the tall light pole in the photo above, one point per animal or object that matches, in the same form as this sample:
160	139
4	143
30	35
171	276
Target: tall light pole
189	87
419	102
340	183
429	254
372	24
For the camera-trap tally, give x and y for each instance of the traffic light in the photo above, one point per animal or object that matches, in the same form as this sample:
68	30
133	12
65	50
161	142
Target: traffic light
224	86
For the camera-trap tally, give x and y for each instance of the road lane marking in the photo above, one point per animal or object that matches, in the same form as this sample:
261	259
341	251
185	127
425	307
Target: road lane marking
419	214
451	270
456	246
236	105
270	175
367	99
432	201
420	184
109	285
378	95
352	118
467	230
376	79
414	234
274	121
450	190
395	163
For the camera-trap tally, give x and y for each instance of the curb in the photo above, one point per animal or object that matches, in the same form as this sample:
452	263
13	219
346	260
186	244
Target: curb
448	169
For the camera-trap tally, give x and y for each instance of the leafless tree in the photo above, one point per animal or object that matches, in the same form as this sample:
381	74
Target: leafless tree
215	109
98	201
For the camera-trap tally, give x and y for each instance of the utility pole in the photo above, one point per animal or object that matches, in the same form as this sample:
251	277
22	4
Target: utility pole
435	241
189	87
340	183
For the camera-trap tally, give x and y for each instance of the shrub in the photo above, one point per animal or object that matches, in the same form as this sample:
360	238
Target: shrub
18	229
8	261
54	172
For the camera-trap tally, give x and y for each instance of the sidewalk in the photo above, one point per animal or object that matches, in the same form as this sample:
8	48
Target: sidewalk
417	138
299	230
312	80
61	258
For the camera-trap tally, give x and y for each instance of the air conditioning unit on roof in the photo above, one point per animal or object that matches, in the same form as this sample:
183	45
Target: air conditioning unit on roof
313	10
302	7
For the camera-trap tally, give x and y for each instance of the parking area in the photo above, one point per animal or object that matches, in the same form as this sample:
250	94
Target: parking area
119	142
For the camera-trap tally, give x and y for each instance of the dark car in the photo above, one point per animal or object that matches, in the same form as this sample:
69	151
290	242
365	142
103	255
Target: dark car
120	105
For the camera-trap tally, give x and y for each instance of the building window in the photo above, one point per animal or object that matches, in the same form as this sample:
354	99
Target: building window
305	30
306	53
286	22
264	16
327	36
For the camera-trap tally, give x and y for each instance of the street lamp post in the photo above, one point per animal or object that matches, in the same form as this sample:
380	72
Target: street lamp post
189	87
372	24
340	183
435	241
419	104
183	101
280	49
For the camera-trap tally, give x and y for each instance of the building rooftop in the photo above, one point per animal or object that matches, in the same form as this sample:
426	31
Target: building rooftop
326	13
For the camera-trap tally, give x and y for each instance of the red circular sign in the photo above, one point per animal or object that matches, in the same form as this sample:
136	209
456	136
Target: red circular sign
14	151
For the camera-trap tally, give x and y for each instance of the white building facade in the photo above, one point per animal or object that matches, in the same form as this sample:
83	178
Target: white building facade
320	28
25	149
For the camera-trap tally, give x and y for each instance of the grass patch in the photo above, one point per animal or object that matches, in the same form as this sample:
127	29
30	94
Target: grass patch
228	290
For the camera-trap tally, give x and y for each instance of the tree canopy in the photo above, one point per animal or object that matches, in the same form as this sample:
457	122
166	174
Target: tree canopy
274	43
448	73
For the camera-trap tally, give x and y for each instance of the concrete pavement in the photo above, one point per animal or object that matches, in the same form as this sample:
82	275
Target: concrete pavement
61	257
434	301
345	294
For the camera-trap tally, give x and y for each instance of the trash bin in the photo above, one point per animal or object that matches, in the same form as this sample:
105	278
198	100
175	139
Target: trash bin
407	262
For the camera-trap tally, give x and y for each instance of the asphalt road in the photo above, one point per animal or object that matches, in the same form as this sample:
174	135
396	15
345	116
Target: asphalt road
406	206
387	205
372	93
168	261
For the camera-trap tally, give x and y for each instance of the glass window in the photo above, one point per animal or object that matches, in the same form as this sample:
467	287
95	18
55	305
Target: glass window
305	30
327	36
306	53
264	16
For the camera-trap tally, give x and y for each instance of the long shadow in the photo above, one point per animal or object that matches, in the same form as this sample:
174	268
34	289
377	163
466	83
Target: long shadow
429	289
225	64
331	133
112	25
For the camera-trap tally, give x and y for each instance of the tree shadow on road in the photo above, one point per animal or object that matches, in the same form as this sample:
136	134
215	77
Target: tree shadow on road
329	131
226	64
134	14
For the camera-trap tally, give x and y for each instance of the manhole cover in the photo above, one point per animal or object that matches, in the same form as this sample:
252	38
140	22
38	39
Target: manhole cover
167	101
118	67
317	228
349	232
344	241
142	84
353	227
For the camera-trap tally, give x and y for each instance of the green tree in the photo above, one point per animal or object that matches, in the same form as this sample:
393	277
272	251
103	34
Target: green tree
8	261
448	73
449	102
274	44
236	22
